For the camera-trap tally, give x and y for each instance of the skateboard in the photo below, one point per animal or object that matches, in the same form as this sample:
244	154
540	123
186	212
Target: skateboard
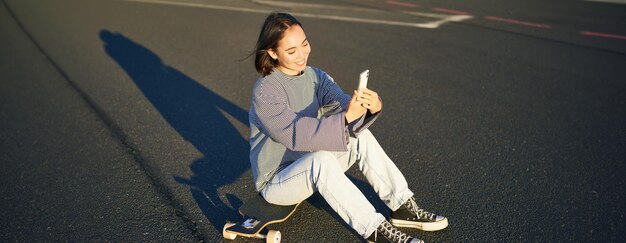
257	215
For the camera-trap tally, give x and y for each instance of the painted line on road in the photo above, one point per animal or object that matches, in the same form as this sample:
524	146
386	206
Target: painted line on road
518	22
444	19
608	1
403	4
450	11
428	25
200	5
313	5
604	35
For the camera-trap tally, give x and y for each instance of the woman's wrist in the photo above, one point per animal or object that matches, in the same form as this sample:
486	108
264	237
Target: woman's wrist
350	116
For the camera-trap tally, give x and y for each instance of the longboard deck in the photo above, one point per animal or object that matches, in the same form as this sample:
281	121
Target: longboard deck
257	214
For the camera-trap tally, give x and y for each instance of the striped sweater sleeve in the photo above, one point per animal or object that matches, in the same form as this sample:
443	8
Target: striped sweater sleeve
331	92
295	132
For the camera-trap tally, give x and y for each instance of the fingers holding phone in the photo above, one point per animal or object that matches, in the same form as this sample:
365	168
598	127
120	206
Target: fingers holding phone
369	99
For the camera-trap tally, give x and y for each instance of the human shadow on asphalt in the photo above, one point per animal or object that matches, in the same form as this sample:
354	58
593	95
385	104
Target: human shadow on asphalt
196	113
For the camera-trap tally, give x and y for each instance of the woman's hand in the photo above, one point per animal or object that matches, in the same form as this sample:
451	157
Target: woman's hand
363	100
355	108
369	99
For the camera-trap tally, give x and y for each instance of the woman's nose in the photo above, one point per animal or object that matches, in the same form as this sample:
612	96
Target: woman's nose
300	53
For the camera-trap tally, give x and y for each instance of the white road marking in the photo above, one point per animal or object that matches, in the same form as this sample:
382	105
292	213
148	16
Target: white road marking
200	5
312	5
454	18
442	18
608	1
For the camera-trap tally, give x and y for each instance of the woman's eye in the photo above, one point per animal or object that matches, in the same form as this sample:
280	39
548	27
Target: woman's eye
291	52
306	44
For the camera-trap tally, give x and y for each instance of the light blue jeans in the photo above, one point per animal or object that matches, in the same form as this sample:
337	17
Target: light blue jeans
323	171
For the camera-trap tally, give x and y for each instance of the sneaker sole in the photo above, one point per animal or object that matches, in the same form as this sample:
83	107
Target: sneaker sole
430	226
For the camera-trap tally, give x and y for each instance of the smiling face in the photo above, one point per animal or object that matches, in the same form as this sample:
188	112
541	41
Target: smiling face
292	51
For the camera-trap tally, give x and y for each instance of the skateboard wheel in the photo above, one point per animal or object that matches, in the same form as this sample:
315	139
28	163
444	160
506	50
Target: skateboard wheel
273	236
227	235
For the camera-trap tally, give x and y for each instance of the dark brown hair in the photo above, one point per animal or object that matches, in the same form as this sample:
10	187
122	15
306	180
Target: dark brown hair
272	31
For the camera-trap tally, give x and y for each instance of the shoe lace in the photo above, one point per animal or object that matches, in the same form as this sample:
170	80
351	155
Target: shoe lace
392	233
419	212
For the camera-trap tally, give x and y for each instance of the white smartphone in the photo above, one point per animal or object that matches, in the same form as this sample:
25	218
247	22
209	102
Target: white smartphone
363	79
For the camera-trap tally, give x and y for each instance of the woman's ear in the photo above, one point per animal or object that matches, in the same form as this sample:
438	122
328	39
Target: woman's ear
272	54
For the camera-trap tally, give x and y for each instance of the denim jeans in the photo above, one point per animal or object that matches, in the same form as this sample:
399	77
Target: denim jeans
324	171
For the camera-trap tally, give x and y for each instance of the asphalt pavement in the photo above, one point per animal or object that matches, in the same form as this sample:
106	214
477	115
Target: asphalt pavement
127	120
